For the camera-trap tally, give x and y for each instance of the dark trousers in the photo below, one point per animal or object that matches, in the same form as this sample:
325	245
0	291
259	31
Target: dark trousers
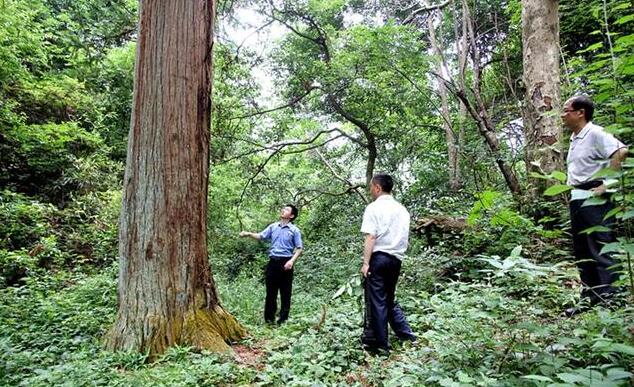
595	270
278	280
380	306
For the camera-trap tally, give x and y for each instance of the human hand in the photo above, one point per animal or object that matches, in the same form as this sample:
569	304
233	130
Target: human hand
244	233
365	269
600	190
288	265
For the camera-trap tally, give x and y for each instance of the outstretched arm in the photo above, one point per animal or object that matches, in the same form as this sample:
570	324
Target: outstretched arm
253	235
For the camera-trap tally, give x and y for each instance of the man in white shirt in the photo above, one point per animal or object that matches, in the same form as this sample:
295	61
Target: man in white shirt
591	150
386	228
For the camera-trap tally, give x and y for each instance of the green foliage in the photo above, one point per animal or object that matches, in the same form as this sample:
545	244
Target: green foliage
88	228
41	154
25	221
496	226
112	82
56	99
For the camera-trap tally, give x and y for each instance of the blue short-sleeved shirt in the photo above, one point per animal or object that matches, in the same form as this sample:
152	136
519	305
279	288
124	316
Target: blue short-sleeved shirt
284	239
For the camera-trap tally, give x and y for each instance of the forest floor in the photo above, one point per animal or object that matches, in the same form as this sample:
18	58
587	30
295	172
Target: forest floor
495	328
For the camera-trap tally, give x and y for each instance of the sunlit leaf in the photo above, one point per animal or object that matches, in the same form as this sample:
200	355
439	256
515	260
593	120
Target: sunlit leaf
594	201
339	292
559	176
557	189
590	230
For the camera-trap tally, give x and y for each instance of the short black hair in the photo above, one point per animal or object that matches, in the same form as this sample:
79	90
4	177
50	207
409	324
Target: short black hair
584	102
294	211
384	181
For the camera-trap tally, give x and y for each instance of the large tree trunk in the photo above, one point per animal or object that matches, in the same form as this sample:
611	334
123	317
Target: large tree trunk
540	39
167	294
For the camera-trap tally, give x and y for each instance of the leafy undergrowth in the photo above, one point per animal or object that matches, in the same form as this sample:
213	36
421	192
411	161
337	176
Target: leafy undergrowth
503	328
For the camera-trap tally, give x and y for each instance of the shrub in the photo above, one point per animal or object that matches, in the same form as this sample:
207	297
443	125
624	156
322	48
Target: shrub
41	153
24	221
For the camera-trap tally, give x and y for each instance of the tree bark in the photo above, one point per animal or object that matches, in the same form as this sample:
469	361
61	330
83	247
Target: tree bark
166	293
479	111
540	39
455	182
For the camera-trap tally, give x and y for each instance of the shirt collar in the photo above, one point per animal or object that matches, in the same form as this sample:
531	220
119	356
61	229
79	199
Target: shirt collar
385	197
583	131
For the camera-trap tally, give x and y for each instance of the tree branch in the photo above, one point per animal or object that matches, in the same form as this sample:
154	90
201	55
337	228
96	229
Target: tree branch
351	187
424	9
292	102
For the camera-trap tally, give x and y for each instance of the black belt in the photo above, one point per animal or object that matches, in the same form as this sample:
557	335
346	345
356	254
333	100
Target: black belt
384	253
589	184
279	258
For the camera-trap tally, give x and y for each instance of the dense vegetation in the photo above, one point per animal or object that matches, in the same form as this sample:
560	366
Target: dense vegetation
353	88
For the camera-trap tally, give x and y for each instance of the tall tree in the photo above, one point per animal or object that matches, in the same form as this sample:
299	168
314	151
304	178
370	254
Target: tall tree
167	295
540	39
476	45
455	182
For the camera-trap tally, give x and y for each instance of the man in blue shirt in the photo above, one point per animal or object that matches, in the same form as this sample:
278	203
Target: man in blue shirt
286	247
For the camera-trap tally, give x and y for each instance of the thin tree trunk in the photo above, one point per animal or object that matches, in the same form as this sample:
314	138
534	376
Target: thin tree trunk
450	137
485	125
462	52
365	129
540	39
167	295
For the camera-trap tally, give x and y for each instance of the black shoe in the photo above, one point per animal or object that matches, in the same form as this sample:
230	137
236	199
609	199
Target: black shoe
569	312
585	305
411	338
281	321
373	349
376	351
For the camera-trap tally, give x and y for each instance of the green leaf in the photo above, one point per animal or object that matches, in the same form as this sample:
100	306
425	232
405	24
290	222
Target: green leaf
616	211
629	247
557	189
626	40
607	172
573	378
594	201
339	292
517	250
618	373
559	176
593	47
625	19
590	230
464	378
537	175
613	247
628	215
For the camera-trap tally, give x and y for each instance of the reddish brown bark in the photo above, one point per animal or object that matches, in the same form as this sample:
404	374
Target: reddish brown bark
167	294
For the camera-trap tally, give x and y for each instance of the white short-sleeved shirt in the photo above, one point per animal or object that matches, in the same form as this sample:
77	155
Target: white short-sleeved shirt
590	151
388	220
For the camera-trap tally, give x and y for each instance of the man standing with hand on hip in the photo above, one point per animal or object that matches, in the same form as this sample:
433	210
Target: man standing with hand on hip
591	150
386	228
286	246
